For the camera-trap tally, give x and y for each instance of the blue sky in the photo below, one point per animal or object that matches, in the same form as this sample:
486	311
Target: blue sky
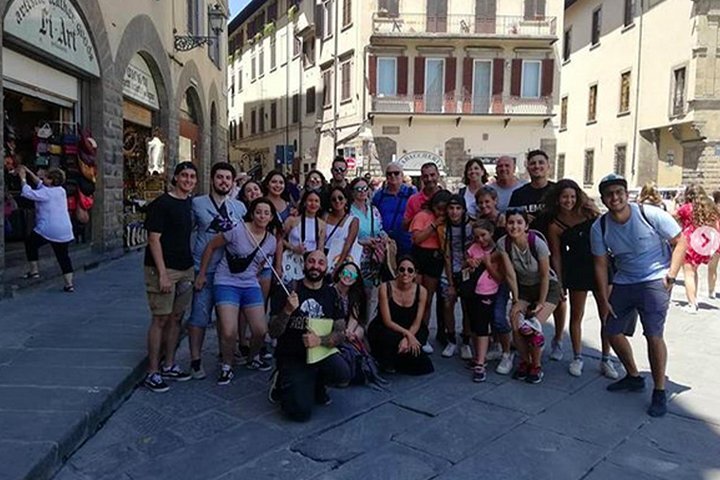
236	6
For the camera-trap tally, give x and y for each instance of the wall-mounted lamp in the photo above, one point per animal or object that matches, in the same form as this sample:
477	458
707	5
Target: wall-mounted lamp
217	17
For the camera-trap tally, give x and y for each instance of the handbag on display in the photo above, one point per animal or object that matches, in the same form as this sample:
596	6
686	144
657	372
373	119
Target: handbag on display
87	171
45	131
87	142
55	149
82	215
85	186
42	161
85	201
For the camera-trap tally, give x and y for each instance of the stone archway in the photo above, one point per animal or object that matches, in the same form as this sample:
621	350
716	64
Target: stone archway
190	102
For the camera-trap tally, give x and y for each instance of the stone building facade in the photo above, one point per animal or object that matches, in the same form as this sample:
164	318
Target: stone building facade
123	79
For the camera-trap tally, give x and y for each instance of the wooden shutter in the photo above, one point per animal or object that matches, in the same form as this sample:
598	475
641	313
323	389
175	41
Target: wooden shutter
419	80
548	74
498	76
319	21
450	74
402	76
372	74
467	78
516	77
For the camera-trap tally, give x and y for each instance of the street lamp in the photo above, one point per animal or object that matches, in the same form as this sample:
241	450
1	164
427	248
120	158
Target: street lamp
217	18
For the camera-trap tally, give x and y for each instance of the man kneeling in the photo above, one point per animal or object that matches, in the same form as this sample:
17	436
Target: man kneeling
297	384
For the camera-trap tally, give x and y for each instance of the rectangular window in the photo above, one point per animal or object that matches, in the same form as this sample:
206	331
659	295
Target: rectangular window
310	100
261	61
592	104
327	88
273	115
620	154
624	92
567	44
389	8
241	129
589	167
628	12
387	76
193	17
345	75
327	8
530	87
297	46
272	12
261	119
232	90
534	9
347	12
434	84
560	172
482	86
253	69
273	52
253	122
296	108
678	92
308	48
213	48
596	26
563	113
240	80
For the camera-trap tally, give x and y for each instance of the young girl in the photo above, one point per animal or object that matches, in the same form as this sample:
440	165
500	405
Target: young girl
456	237
526	261
571	215
698	211
236	282
481	305
303	233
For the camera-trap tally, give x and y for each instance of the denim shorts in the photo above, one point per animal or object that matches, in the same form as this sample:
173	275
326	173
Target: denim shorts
241	297
202	304
648	300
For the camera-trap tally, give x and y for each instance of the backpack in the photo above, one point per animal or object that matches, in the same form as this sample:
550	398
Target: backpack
533	235
363	369
603	229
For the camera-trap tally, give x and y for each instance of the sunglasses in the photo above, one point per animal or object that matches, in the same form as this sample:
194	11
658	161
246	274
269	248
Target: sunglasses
361	189
392	174
338	199
339	169
347	273
409	270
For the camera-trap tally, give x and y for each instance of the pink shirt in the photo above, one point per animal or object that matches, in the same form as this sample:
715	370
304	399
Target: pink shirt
415	204
486	285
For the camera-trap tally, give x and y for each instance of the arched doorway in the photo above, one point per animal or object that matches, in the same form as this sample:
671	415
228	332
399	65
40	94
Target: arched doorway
189	143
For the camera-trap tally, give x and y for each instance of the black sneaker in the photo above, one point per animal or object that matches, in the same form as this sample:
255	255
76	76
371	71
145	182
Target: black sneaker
155	383
479	374
322	397
265	353
274	392
535	375
521	372
174	373
658	406
631	384
225	377
260	364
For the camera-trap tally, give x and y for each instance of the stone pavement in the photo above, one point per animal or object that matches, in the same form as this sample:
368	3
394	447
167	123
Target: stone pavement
442	426
67	361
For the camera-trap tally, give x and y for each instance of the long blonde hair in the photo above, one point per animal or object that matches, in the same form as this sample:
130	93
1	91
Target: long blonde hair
704	210
650	194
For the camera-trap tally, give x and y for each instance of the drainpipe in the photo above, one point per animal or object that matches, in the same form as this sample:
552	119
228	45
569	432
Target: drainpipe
637	92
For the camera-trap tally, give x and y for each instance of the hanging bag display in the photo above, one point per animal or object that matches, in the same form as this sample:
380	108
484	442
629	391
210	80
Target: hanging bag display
45	131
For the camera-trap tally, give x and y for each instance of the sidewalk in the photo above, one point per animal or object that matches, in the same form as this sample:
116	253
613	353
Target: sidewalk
67	361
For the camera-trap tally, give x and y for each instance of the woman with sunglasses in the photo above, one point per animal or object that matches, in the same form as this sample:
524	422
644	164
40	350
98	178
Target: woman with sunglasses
534	287
303	233
474	177
347	280
398	332
341	232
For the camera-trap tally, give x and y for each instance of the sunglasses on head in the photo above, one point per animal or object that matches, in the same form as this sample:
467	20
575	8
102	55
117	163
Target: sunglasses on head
339	169
392	174
347	273
406	269
361	188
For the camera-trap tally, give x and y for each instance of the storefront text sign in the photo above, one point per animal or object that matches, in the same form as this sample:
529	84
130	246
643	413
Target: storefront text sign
412	161
138	83
54	27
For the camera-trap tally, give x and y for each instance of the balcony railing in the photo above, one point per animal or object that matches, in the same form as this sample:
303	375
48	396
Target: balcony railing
461	103
421	24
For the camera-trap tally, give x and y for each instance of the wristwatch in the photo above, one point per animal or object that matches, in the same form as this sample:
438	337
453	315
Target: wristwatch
670	280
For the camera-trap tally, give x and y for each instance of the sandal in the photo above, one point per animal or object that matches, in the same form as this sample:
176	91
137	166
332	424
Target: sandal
69	288
31	275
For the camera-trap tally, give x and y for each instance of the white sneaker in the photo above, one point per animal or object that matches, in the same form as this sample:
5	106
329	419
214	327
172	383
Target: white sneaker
466	352
556	352
608	369
427	348
494	353
506	364
691	309
449	350
576	367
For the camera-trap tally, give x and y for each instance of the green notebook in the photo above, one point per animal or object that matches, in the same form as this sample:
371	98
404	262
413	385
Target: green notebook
320	327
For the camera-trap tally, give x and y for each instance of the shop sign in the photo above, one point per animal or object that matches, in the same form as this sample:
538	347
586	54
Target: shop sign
412	161
138	83
54	27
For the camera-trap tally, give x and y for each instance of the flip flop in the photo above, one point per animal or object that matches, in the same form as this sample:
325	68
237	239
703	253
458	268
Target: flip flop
31	275
69	288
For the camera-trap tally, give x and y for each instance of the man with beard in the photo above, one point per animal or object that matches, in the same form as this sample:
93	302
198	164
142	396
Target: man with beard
297	385
430	175
212	214
169	274
339	170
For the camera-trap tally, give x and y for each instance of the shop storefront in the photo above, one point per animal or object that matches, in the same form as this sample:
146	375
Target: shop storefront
144	159
48	63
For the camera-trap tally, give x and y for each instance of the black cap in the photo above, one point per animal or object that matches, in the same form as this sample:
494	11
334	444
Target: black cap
180	167
612	179
457	199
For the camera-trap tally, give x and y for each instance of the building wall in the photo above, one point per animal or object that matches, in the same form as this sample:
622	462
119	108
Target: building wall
119	30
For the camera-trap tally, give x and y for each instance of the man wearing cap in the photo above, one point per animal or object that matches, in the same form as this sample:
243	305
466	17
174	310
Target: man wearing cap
169	274
637	239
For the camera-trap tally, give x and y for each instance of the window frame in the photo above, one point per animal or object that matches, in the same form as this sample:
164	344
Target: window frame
273	115
347	13
588	174
564	105
253	121
346	81
310	100
592	103
377	77
327	12
522	78
674	113
624	160
327	79
273	51
596	30
622	111
560	170
628	13
567	44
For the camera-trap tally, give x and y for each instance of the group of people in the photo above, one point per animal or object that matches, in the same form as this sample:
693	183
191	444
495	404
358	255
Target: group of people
338	277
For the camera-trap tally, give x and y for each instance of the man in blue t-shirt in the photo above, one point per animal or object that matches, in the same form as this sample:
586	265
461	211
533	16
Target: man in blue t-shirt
391	201
638	239
211	214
